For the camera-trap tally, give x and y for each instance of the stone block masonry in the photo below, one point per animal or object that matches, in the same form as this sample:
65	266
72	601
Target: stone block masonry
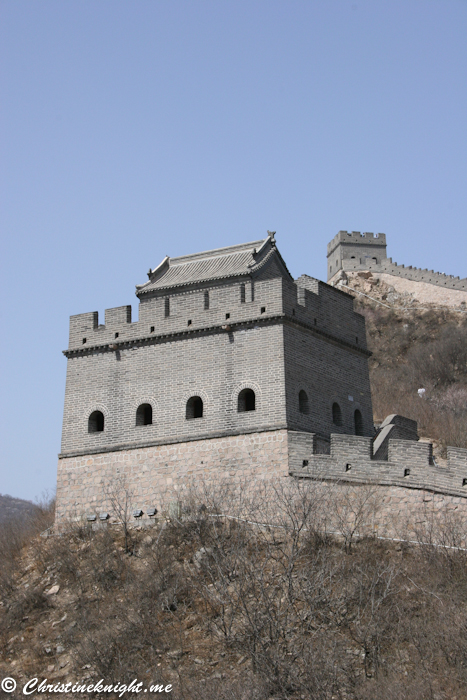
156	475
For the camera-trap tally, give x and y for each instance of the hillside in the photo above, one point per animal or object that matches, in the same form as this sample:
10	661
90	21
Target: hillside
13	508
415	346
224	609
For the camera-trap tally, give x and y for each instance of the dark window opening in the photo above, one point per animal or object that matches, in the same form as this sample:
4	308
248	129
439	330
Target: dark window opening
206	300
194	408
263	309
352	257
167	307
116	335
305	463
227	316
96	422
144	414
246	401
84	341
293	312
358	422
189	321
330	268
316	322
152	329
303	405
348	467
356	340
242	294
336	414
464	482
406	472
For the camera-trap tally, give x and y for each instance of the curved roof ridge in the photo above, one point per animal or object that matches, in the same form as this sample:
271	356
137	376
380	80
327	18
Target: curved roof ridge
218	252
220	263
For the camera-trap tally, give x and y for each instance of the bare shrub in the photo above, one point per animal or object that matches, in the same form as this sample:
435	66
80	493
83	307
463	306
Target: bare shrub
119	494
248	595
353	511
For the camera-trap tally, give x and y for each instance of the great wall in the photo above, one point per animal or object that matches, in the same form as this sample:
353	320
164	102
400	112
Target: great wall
235	370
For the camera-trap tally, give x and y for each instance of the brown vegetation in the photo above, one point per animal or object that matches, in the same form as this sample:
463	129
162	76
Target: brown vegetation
419	349
247	596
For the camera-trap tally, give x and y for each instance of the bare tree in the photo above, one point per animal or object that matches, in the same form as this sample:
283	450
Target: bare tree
353	510
120	496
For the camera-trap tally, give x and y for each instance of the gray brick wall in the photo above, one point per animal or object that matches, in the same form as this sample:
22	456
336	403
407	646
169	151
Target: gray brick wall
215	366
409	464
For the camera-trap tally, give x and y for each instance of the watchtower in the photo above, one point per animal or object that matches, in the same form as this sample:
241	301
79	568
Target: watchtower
356	246
230	360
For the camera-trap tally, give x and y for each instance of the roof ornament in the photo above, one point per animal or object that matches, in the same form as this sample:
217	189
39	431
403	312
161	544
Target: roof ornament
271	235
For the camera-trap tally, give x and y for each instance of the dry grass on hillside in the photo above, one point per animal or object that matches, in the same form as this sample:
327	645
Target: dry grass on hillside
229	610
419	349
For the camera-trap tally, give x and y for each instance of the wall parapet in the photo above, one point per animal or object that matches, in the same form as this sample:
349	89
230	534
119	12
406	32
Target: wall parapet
409	464
414	274
355	237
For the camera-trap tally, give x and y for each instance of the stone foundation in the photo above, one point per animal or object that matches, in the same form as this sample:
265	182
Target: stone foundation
154	475
157	477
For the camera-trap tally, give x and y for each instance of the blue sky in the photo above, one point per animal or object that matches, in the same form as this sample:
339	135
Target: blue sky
135	130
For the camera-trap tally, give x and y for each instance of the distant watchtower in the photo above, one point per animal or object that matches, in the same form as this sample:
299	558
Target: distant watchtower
355	246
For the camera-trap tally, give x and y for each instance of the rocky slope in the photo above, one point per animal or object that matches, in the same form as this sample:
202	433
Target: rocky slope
224	609
415	347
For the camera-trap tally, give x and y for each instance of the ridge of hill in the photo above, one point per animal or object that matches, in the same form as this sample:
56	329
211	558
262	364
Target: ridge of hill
12	508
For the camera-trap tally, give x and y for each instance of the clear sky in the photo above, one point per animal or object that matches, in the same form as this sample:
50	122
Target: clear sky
131	130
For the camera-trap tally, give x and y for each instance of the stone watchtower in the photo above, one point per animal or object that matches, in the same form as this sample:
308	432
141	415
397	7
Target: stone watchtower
233	368
361	248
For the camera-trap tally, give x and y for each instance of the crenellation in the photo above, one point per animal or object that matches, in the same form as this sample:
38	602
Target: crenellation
410	464
81	325
117	316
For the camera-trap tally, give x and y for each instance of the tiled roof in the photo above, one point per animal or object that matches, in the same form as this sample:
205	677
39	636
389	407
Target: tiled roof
220	263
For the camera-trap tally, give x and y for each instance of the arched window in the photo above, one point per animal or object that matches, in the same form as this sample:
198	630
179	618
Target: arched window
246	401
336	414
144	414
303	405
96	422
358	422
194	407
